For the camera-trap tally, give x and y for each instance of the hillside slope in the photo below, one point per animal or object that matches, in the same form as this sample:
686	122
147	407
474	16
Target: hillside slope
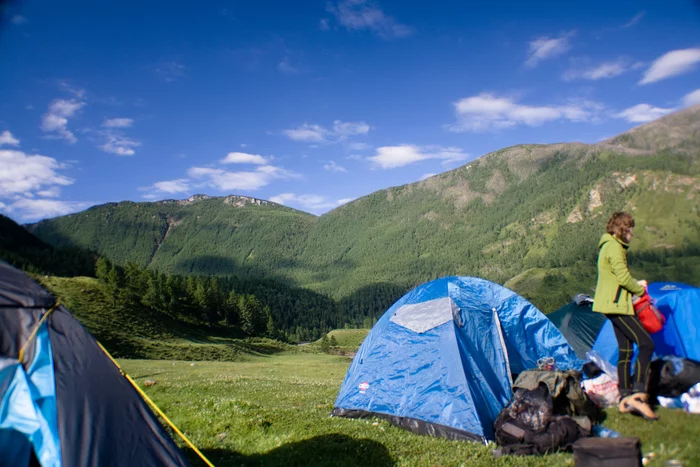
230	235
523	207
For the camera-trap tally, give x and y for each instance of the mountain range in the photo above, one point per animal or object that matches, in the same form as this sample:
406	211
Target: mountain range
528	215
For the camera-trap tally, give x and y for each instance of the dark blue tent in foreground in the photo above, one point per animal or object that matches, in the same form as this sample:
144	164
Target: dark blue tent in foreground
62	400
680	304
441	359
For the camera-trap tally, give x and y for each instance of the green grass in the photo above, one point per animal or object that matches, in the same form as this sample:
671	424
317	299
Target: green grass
348	341
349	337
152	335
274	411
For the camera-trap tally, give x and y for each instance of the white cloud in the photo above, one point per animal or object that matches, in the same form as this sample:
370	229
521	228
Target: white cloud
390	157
285	66
23	173
318	134
307	133
25	183
692	98
6	139
53	192
55	120
115	141
350	128
180	185
118	144
544	48
635	19
18	19
331	166
243	158
170	71
224	180
360	14
490	112
323	25
672	63
642	113
604	70
358	146
118	123
427	176
313	203
77	92
29	209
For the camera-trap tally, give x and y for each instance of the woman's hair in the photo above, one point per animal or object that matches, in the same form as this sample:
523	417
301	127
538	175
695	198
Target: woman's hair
620	224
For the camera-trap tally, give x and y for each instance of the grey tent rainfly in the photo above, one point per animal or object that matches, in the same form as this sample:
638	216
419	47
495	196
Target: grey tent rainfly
63	400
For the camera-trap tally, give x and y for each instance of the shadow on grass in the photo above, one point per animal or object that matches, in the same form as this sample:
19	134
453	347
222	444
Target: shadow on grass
325	450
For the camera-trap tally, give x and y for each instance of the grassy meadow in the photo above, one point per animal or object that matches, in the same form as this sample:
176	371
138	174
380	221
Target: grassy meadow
274	411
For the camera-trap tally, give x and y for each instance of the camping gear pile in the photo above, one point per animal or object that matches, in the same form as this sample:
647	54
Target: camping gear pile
548	412
675	369
441	361
601	383
676	383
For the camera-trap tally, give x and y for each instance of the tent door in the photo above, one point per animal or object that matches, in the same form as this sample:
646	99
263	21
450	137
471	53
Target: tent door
503	344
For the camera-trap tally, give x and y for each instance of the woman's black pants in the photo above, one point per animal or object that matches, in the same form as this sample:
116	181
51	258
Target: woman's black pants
628	331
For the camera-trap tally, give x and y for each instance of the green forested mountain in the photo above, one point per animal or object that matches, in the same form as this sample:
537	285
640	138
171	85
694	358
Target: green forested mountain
22	249
201	235
525	208
102	294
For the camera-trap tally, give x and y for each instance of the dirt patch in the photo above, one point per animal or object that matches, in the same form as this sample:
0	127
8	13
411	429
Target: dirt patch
594	199
430	215
497	183
575	216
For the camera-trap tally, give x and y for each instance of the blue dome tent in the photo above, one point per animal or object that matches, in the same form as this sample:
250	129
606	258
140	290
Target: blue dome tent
680	304
441	359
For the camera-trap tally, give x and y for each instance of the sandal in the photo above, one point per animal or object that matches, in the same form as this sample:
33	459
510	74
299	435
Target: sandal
637	404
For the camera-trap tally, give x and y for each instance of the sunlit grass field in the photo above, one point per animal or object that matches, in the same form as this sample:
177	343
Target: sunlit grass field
274	411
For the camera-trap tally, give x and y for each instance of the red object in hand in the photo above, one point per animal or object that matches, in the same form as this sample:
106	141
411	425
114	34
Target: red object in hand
650	316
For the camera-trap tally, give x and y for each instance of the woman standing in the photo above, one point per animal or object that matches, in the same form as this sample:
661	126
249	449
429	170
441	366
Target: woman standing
613	297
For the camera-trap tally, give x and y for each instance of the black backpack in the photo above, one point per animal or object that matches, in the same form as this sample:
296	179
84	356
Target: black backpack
568	398
529	426
673	376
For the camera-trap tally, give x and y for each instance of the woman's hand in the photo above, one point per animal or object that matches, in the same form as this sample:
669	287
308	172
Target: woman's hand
643	283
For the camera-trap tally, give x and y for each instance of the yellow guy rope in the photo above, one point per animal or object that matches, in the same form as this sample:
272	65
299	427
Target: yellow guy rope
155	407
34	331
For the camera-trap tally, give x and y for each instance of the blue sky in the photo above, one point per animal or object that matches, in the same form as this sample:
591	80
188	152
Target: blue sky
315	103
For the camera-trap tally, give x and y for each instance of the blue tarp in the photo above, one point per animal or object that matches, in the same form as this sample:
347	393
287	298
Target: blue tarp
444	354
680	304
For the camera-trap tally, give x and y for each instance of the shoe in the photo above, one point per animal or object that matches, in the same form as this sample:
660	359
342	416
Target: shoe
637	404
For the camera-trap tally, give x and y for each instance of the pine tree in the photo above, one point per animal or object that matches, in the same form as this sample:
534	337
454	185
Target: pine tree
201	309
153	297
214	302
246	311
333	342
232	311
102	268
325	344
114	284
271	331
